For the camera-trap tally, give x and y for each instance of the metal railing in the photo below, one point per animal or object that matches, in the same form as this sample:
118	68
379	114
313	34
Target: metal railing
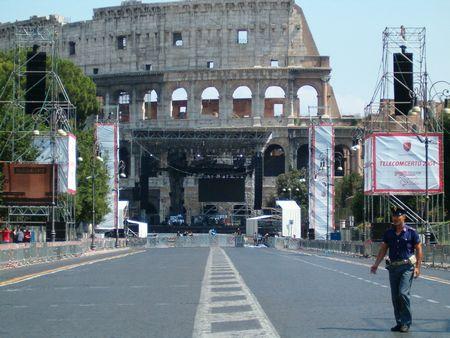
16	254
194	241
435	255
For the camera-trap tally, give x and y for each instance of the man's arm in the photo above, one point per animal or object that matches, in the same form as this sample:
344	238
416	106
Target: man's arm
419	255
380	256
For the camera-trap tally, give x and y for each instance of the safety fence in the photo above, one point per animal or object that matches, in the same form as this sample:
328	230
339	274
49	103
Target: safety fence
434	255
12	255
196	240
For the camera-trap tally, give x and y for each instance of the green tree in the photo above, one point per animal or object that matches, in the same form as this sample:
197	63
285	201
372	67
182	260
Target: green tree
91	174
80	89
296	181
349	194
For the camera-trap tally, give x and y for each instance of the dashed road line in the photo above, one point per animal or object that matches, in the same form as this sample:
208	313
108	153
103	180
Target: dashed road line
366	280
225	310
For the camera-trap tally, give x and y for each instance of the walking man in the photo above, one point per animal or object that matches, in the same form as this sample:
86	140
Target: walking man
405	257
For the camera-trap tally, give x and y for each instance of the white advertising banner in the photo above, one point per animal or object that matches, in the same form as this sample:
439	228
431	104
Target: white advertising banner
321	178
72	164
65	159
107	136
399	163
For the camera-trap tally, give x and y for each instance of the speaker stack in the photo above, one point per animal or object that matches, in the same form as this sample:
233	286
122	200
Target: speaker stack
403	82
258	181
35	80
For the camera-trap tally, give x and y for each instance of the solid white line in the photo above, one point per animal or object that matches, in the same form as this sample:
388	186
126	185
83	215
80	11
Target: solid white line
21	279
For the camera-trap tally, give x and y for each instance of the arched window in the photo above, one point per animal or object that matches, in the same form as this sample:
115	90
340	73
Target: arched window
341	160
210	102
179	104
274	102
242	102
274	160
308	102
124	106
150	105
303	157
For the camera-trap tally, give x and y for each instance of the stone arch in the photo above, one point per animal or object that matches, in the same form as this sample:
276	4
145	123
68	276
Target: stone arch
150	105
308	101
210	102
274	98
303	157
124	101
242	102
341	160
179	104
274	160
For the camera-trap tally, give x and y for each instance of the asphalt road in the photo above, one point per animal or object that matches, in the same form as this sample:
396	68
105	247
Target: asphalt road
202	292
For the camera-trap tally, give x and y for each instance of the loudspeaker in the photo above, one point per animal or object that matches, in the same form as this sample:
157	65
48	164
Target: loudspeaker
403	82
60	231
35	80
258	181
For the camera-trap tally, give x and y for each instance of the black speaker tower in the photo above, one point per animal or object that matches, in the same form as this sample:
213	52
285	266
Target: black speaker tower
35	80
403	82
258	181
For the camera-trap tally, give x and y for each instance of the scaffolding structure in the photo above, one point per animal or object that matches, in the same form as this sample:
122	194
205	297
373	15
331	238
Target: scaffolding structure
383	115
54	118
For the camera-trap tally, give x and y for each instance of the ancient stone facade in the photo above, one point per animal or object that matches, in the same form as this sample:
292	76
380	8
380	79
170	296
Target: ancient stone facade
213	65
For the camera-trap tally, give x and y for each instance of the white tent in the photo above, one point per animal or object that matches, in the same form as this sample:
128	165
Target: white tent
251	224
290	219
123	212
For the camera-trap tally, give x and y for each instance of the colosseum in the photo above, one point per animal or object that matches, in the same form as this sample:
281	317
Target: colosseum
210	98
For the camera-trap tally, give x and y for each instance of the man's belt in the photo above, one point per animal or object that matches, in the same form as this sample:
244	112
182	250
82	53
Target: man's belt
398	263
411	260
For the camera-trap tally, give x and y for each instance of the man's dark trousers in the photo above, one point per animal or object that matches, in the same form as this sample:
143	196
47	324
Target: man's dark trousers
400	278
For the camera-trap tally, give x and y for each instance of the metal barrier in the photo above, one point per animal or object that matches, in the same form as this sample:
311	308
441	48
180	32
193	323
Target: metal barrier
435	255
11	254
197	240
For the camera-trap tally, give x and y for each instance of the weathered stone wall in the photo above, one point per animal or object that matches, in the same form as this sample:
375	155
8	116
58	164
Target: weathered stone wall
132	49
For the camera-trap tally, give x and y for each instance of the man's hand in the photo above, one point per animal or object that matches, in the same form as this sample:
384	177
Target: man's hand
416	272
373	268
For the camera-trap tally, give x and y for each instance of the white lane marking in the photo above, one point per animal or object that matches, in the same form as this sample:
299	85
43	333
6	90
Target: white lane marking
422	276
432	301
447	306
86	305
417	296
20	306
21	279
206	317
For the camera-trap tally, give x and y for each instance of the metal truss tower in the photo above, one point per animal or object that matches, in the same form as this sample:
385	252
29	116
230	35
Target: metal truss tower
54	117
384	113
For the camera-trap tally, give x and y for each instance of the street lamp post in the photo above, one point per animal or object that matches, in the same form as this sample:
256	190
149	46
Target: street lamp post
93	207
325	163
121	175
426	141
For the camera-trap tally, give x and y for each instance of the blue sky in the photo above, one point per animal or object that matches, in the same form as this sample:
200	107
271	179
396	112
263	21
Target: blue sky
349	31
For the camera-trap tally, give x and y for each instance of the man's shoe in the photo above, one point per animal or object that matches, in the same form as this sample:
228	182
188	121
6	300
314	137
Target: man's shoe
404	328
396	328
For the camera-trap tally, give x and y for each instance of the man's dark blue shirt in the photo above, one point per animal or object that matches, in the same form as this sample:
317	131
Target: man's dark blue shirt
401	246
